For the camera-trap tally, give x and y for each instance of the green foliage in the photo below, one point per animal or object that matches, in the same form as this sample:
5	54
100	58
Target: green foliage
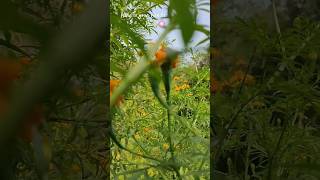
269	129
63	43
159	129
141	126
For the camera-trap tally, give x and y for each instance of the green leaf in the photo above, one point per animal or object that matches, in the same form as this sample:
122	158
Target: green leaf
125	28
184	17
154	79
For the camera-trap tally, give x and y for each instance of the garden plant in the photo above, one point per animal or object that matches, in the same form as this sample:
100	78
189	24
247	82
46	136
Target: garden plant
159	103
265	95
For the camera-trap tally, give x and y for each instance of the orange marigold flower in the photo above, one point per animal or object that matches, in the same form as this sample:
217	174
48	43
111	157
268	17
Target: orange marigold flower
161	57
113	84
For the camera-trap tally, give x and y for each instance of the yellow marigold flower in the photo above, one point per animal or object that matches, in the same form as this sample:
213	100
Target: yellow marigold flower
118	156
147	129
165	146
137	136
142	112
177	88
176	78
152	172
185	86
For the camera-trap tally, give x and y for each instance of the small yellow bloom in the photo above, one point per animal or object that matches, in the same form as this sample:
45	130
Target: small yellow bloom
176	78
152	172
137	136
118	156
189	94
185	86
165	146
147	129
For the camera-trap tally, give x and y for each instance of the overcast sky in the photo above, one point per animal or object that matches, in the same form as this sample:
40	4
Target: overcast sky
203	19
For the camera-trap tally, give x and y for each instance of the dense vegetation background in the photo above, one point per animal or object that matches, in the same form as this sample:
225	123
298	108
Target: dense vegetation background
265	90
53	74
55	88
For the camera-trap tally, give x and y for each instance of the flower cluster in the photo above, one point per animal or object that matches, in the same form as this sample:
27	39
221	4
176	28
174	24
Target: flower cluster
182	87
